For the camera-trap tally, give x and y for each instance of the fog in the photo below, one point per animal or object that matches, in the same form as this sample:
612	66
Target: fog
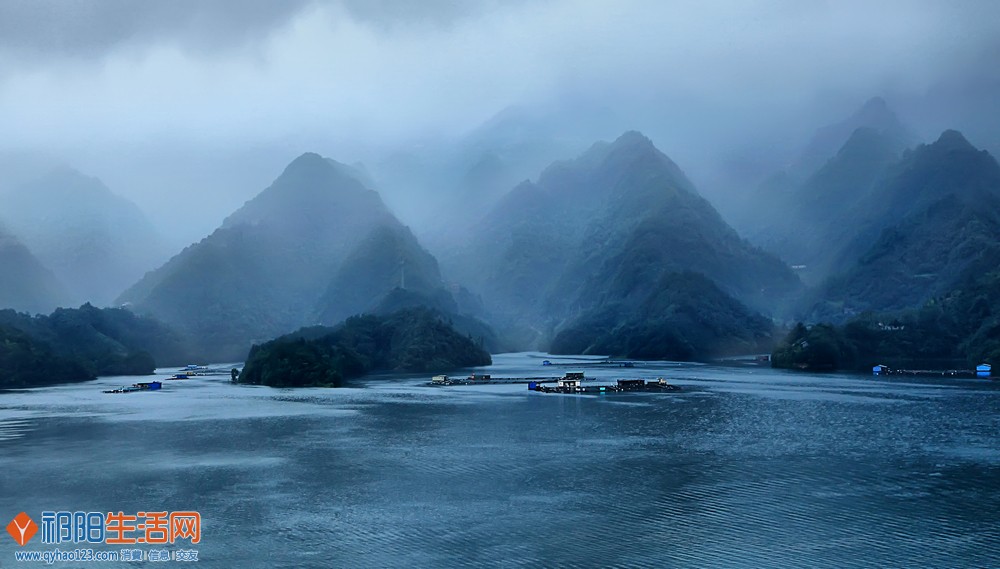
190	108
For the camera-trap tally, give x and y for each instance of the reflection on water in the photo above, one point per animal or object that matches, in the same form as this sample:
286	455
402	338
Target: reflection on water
748	467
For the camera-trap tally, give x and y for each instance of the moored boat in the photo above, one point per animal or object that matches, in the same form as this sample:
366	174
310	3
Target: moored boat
183	375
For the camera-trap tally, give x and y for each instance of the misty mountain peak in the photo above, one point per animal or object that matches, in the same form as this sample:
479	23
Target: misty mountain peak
865	142
952	140
308	163
633	139
310	170
636	154
875	113
63	183
875	106
634	144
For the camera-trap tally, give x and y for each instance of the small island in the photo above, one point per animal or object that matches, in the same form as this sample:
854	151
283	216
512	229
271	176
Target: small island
415	340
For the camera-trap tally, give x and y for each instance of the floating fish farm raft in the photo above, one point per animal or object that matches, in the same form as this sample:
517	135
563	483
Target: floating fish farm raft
142	386
596	363
623	385
981	371
486	379
572	382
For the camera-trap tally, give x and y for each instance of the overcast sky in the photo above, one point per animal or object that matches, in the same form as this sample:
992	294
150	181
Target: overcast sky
227	91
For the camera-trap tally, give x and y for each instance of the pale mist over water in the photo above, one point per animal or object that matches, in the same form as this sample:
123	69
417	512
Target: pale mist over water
747	467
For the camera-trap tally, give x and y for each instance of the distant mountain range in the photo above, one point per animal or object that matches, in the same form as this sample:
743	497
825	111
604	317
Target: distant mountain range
606	230
880	225
25	284
612	252
899	242
874	115
931	216
316	246
854	148
94	241
808	226
684	317
461	179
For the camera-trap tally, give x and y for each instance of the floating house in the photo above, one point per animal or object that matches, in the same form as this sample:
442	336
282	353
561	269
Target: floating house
570	381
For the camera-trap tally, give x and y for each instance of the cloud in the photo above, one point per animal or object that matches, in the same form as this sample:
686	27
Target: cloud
394	66
38	30
92	79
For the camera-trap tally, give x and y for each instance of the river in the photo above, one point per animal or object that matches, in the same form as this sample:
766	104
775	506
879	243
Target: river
746	467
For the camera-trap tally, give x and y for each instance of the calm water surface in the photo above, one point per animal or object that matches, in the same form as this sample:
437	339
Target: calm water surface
748	467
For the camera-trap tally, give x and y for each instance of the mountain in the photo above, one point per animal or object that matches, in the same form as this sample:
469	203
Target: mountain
823	211
460	179
259	274
96	242
25	284
958	328
519	142
314	247
839	159
388	258
933	215
874	114
685	317
603	230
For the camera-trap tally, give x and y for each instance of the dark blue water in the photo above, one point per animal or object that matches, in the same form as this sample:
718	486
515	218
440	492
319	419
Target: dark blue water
748	467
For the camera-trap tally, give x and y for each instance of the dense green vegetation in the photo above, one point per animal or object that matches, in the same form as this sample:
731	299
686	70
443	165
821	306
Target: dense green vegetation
911	247
687	317
934	216
961	327
459	317
818	348
86	342
416	340
922	257
26	362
